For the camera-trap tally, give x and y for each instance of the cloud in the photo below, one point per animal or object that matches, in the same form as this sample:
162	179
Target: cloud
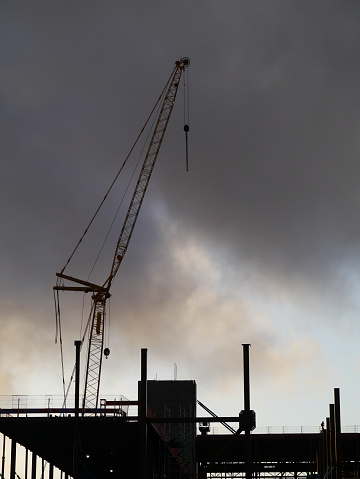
257	243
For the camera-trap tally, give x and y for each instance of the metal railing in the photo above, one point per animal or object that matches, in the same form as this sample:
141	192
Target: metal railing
45	405
19	402
284	429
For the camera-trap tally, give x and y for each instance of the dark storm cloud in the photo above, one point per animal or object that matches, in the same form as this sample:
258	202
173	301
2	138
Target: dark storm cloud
268	208
275	158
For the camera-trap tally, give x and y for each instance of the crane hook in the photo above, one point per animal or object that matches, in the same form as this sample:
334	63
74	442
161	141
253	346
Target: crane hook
186	129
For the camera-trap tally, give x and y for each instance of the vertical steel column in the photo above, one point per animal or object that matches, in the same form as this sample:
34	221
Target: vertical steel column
328	448
26	462
3	458
51	471
332	440
338	448
13	459
322	461
246	377
33	466
77	345
248	468
143	415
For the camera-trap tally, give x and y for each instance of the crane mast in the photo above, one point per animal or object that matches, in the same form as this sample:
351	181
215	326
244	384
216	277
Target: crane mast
102	293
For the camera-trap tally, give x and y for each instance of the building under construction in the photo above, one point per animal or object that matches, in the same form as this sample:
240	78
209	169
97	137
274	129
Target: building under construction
165	438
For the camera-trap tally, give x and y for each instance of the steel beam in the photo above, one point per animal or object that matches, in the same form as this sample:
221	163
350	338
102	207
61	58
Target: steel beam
13	459
143	414
338	448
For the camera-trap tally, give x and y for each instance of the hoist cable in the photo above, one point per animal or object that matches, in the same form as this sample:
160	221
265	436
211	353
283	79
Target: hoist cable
58	331
185	123
186	116
186	97
82	313
56	320
107	335
109	322
116	177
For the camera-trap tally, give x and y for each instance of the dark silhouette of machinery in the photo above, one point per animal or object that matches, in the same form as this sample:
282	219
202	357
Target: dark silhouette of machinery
101	293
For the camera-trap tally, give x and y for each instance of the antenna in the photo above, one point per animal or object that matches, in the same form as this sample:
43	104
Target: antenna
175	371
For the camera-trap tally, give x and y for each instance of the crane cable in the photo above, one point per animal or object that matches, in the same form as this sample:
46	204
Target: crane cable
116	177
125	192
186	114
58	332
107	336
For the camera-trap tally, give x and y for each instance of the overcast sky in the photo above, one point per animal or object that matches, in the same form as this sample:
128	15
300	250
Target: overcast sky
257	243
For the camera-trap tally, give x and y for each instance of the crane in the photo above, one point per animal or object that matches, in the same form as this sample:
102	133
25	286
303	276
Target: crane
101	293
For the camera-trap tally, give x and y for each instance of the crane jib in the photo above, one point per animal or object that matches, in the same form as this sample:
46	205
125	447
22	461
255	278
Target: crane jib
147	168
